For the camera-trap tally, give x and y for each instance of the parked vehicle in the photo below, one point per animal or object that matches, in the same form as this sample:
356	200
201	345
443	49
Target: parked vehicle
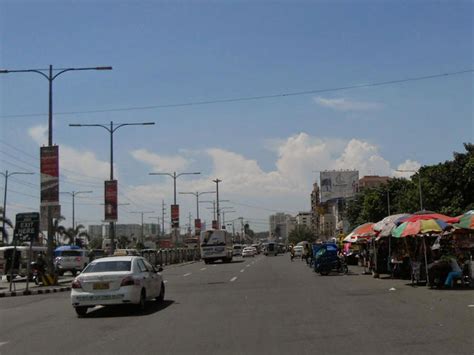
298	251
70	258
126	252
327	260
216	245
117	280
271	248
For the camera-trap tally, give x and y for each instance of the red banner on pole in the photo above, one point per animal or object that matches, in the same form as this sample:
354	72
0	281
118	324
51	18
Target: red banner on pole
197	223
49	161
110	197
214	224
175	216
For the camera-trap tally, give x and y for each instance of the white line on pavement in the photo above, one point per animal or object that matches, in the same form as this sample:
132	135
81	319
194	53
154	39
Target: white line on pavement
471	306
248	265
187	274
242	270
3	343
203	269
233	279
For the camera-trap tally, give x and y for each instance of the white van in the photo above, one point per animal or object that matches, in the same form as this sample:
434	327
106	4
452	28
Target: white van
72	260
216	245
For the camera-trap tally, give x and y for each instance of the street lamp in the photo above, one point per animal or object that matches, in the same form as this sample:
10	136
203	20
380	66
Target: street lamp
419	183
142	213
73	194
217	181
6	174
174	176
111	129
197	194
50	77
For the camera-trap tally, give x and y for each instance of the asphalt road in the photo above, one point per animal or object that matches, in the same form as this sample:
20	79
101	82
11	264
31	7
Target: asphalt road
261	305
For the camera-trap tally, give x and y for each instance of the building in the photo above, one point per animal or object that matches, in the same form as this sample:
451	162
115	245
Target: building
304	219
95	230
281	225
337	184
371	181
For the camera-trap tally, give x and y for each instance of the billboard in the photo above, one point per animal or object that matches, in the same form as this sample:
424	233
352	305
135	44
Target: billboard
49	161
338	184
110	201
175	216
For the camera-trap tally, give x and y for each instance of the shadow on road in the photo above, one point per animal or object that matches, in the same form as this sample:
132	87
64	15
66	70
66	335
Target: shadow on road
128	310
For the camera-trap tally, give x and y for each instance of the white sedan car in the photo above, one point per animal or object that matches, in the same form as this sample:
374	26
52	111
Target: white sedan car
117	280
249	251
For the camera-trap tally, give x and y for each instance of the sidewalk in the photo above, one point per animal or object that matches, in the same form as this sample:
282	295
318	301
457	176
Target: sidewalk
19	287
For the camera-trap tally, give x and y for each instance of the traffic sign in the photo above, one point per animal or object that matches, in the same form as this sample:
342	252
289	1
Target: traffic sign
27	226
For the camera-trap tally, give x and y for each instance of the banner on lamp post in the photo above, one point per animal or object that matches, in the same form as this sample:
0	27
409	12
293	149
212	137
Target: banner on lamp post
214	224
110	201
49	182
175	216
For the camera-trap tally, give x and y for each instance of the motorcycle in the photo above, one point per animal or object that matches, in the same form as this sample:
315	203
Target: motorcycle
37	272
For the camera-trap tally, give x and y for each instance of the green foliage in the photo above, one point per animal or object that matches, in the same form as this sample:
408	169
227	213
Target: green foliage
301	233
95	243
447	188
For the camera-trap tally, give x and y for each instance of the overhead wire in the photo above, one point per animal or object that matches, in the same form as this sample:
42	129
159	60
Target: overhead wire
250	98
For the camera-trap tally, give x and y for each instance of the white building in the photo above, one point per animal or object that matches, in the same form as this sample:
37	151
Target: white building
304	219
281	225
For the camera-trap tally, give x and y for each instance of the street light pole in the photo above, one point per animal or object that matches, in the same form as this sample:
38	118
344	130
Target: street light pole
111	129
419	184
7	175
142	213
50	77
73	194
197	194
217	181
175	176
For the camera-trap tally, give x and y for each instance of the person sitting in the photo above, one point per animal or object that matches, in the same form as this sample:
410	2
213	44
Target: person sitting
455	272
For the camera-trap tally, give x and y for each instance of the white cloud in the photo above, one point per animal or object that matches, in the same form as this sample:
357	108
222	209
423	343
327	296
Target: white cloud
411	165
74	162
161	162
343	104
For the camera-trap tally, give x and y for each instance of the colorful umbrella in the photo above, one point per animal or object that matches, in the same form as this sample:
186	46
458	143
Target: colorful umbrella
421	226
466	221
427	215
361	233
386	225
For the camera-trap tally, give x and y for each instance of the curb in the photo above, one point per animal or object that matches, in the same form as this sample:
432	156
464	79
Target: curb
34	292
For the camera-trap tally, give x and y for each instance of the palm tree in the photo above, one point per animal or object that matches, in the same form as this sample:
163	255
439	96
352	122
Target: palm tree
4	219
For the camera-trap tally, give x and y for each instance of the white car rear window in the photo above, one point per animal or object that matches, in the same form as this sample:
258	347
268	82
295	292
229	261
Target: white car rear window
107	266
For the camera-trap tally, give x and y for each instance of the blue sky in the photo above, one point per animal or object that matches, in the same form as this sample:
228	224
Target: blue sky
188	51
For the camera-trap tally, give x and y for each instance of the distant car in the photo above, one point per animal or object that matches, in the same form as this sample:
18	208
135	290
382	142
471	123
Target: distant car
237	250
117	280
249	251
70	259
298	249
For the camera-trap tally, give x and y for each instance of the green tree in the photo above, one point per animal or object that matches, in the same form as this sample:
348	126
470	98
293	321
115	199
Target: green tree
301	233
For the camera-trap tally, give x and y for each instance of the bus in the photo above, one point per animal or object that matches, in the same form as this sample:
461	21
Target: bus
216	245
271	248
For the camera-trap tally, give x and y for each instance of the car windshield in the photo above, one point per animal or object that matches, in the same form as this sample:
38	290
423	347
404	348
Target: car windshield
108	266
70	253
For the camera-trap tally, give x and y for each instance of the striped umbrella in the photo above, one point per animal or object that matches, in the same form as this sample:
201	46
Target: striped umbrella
421	226
361	233
466	221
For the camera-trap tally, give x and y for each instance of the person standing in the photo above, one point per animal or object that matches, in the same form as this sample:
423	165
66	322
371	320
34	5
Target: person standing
455	272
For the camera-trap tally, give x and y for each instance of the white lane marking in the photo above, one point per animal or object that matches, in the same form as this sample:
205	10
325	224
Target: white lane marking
248	265
471	306
3	342
214	265
233	279
187	274
166	281
242	270
203	269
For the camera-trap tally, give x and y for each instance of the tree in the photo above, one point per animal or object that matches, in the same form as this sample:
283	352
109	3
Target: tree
301	233
122	242
95	243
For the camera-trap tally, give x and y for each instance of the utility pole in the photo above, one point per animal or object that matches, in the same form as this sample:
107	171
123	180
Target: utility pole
142	213
163	217
73	194
51	77
7	175
110	206
217	181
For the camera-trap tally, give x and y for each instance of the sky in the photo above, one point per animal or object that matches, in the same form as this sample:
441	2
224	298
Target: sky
168	56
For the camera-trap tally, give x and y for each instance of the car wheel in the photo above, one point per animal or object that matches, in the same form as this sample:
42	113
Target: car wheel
161	296
142	303
81	311
74	272
324	273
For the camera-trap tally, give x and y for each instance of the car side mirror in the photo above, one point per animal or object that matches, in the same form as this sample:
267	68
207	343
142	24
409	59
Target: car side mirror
160	269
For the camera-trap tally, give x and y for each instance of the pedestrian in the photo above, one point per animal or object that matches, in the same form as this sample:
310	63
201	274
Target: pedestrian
455	272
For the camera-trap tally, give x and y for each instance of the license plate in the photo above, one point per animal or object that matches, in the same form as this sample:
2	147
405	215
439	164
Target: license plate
101	286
